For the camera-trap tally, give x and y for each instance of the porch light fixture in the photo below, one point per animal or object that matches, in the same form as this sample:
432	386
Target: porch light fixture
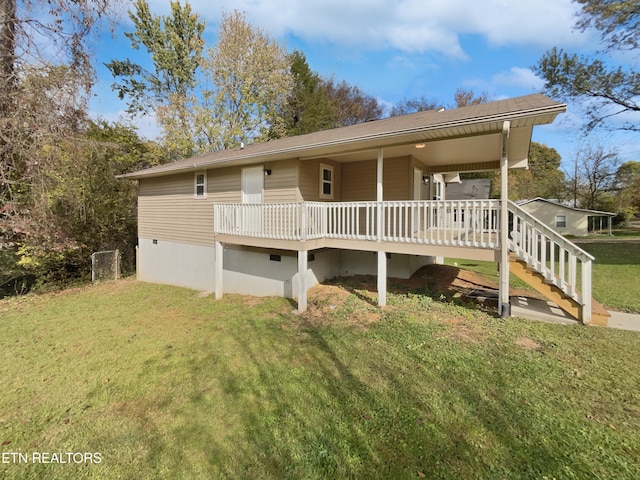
267	172
420	145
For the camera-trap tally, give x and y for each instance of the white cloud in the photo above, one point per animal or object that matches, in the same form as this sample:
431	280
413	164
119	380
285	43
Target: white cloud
413	26
519	77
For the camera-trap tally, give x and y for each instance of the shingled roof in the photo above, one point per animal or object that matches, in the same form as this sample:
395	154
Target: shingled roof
427	126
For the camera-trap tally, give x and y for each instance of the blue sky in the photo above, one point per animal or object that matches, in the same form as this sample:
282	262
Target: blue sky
395	49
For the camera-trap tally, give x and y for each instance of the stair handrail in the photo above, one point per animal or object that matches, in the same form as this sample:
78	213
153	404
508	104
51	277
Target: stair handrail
551	233
583	296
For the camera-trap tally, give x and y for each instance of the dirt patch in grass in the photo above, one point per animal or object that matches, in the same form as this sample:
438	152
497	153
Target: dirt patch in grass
328	304
528	343
434	280
466	334
452	282
357	295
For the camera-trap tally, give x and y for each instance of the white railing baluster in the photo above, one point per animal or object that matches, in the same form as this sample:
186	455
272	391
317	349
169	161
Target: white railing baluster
572	275
553	256
456	223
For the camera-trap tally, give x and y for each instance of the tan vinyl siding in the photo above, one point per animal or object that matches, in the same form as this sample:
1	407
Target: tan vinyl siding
282	185
359	180
167	210
546	212
309	180
397	179
225	185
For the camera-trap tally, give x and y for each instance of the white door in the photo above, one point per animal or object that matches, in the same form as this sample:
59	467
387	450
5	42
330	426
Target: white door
252	186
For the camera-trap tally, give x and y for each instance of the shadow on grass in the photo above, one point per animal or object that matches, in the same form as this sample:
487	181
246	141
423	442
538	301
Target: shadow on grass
310	403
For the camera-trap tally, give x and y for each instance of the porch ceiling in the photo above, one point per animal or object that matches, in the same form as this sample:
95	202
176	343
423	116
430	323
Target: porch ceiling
443	155
435	153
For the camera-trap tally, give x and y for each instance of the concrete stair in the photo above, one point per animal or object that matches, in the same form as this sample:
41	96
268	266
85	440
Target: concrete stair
518	267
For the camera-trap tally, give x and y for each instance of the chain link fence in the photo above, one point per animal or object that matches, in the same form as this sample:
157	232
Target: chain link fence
105	265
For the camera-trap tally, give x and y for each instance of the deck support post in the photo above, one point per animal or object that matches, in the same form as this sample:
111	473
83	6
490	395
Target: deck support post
303	258
382	279
504	308
218	255
382	256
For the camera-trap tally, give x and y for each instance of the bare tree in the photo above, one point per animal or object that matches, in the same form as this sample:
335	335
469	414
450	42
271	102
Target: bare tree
594	177
45	79
413	105
464	97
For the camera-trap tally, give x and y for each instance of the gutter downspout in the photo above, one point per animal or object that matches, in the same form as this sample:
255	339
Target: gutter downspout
504	308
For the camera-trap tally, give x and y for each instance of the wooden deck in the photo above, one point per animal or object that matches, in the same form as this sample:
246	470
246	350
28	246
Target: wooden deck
468	229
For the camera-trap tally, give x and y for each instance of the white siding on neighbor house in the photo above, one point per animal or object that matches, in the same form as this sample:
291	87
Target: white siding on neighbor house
546	212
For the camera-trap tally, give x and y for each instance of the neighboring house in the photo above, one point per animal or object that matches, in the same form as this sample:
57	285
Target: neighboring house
278	217
568	220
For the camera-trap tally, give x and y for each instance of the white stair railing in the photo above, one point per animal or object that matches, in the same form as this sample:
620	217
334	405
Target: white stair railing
561	262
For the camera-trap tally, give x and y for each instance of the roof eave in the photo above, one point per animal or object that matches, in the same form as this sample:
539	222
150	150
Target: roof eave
351	142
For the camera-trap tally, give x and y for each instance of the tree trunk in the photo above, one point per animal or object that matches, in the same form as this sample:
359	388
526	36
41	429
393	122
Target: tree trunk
7	54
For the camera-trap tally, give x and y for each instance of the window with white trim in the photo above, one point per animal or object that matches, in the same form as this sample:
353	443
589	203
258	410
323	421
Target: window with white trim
200	185
561	221
326	181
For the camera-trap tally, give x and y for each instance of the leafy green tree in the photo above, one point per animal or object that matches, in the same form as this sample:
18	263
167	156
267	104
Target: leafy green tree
617	20
43	97
605	91
628	184
249	77
85	207
175	45
543	178
308	108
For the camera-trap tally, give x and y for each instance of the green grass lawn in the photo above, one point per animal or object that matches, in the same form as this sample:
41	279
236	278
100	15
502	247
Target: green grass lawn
616	273
163	384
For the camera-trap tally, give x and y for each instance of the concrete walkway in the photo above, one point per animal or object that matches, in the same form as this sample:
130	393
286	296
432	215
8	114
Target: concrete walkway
549	312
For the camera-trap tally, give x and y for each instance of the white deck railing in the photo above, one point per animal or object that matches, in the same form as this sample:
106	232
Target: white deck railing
458	223
560	261
455	223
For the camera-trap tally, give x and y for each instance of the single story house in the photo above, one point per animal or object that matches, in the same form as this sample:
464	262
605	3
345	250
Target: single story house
568	220
278	217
